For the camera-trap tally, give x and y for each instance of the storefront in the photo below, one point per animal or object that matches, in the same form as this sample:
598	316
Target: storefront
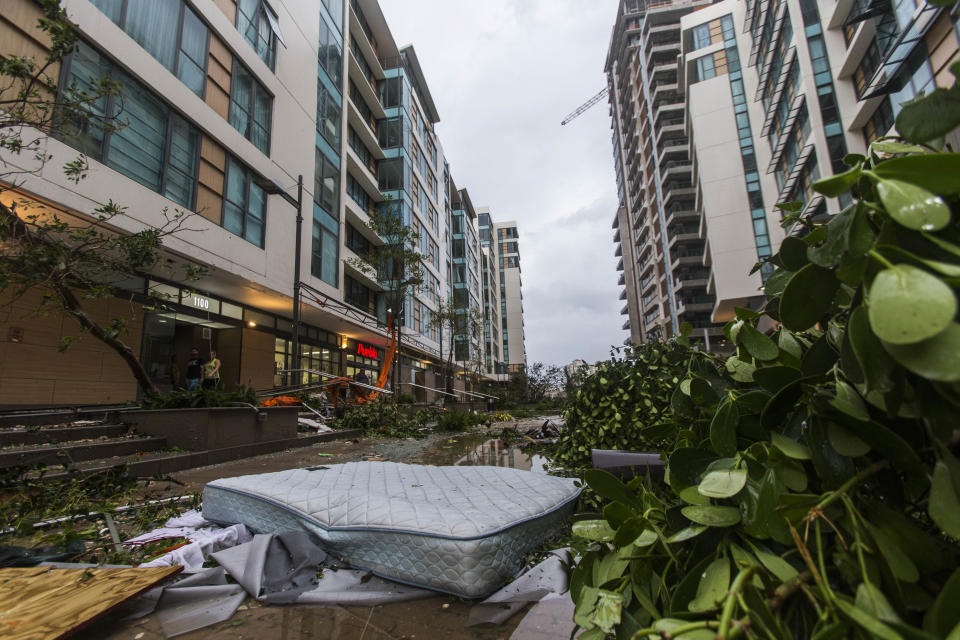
363	356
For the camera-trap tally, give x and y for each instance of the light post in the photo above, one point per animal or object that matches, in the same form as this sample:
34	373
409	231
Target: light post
272	187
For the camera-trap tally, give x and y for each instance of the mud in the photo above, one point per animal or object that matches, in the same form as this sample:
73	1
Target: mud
440	617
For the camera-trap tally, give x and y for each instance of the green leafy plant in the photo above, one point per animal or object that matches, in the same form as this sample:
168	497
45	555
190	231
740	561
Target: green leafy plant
380	419
812	484
625	404
450	421
200	398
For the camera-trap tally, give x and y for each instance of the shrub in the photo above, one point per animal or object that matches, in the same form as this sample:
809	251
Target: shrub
379	419
199	398
813	489
405	398
451	421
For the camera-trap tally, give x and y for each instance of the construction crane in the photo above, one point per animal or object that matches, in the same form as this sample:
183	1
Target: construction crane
586	105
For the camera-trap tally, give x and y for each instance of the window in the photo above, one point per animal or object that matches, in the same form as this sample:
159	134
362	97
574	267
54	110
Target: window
390	174
356	241
324	248
329	56
701	36
259	25
335	7
250	108
357	193
328	115
390	132
356	294
157	147
705	68
326	184
244	203
169	31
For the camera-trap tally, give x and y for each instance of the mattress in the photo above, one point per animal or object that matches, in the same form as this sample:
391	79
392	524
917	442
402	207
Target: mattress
463	530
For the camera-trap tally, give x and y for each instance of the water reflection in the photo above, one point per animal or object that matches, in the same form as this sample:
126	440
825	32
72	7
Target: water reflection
497	453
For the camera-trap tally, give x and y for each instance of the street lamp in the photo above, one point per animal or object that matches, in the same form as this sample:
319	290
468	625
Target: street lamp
272	187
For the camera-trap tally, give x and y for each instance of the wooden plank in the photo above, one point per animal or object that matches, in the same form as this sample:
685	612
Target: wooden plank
42	603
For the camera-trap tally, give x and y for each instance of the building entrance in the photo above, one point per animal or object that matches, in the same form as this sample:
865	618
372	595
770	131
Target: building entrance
168	338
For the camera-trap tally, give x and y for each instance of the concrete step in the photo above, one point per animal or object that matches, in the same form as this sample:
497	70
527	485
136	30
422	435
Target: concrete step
166	464
45	435
65	452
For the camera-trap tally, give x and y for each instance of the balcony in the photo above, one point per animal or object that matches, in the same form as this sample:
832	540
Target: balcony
674	191
674	147
367	87
675	169
623	294
363	174
626	327
680	214
365	129
622	280
626	310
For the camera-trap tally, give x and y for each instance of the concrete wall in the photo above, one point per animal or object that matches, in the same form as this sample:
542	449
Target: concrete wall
33	372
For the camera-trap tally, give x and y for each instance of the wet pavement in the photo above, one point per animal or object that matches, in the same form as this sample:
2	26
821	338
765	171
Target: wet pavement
440	617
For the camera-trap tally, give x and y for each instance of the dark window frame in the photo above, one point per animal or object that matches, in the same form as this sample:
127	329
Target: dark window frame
104	155
250	173
262	8
178	50
257	86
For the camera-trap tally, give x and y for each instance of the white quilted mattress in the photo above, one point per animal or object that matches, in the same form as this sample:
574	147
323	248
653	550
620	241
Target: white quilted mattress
462	530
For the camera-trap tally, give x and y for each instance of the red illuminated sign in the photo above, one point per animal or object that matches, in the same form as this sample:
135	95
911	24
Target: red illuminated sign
365	351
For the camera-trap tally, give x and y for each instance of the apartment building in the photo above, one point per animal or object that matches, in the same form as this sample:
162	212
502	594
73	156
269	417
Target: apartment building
656	225
513	331
227	103
492	318
770	95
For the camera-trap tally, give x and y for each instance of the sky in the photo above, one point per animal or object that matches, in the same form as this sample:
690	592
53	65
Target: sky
503	74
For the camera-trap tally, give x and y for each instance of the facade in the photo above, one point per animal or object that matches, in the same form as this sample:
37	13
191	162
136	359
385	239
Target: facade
511	296
770	95
492	318
222	101
657	224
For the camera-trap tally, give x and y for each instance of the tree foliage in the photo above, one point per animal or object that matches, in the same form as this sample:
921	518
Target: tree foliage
812	484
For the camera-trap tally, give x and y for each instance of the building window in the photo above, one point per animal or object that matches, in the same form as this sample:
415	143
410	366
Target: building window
250	108
329	55
701	36
169	31
259	25
328	115
356	241
326	184
357	193
324	249
244	204
156	147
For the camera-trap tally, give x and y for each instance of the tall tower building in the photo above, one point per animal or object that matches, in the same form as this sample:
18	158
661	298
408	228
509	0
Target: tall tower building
511	296
657	222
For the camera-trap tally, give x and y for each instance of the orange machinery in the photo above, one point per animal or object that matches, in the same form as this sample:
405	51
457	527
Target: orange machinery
337	388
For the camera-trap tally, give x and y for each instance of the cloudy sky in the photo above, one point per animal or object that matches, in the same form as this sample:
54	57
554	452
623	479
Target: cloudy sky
503	74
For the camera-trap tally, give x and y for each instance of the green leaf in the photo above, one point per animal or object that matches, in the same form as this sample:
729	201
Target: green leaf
845	442
723	483
646	539
777	377
865	620
713	587
712	516
739	370
790	448
757	344
944	503
944	614
837	239
930	116
793	253
936	359
609	486
687	533
776	565
597	530
936	172
848	401
607	613
912	206
899	562
875	363
908	305
891	146
668	624
872	600
723	428
807	297
837	184
776	282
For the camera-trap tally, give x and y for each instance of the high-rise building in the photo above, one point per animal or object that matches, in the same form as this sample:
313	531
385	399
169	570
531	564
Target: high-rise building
770	95
224	101
492	323
513	331
657	223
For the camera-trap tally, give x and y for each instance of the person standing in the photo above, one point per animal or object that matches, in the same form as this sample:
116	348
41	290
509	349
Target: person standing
211	372
194	369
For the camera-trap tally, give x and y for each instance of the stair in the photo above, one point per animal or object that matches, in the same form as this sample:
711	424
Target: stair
69	452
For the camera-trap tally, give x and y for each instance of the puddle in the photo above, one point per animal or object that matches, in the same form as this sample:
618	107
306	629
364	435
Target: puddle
483	450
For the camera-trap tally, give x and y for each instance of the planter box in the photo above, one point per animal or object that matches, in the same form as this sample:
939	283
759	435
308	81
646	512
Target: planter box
217	428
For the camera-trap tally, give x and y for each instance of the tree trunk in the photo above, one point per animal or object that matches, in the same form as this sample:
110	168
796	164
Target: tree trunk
75	308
